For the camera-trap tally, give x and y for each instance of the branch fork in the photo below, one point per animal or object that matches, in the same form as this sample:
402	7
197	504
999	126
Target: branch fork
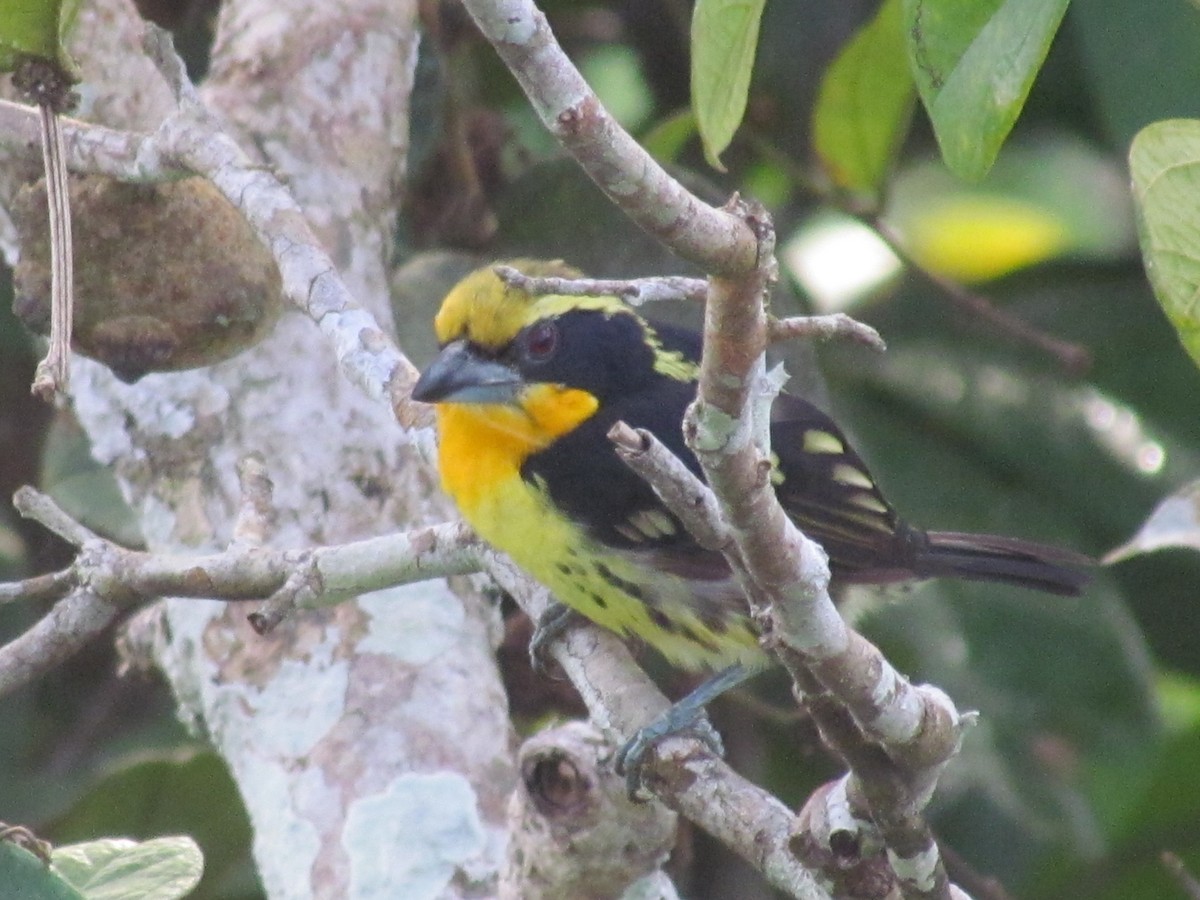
895	737
105	580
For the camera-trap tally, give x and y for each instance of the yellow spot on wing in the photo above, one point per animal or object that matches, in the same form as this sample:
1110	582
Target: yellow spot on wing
846	474
777	476
817	441
869	501
665	524
629	532
653	523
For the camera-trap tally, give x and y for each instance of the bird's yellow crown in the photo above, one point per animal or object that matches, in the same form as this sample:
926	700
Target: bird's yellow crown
488	312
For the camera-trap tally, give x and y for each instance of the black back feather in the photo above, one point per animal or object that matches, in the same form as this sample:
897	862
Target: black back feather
821	481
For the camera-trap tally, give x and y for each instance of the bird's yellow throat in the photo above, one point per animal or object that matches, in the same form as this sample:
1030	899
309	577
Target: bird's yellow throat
484	445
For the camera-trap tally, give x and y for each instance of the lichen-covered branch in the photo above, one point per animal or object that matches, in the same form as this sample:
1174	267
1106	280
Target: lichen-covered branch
825	328
890	797
634	291
639	291
621	699
106	580
894	737
315	720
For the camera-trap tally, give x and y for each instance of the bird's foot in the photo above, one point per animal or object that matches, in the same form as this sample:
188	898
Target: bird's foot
686	717
685	722
549	627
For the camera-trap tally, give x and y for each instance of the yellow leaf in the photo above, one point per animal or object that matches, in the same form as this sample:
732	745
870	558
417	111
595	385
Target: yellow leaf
977	238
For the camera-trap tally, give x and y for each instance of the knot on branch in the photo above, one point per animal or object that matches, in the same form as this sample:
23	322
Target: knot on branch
582	116
556	784
574	832
99	567
758	219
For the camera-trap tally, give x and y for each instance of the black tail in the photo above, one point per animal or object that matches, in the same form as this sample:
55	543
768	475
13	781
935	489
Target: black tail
986	557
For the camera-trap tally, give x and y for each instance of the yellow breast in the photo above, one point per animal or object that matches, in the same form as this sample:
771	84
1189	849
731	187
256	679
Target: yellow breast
480	457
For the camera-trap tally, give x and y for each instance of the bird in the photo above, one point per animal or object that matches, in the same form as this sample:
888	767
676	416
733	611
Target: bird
526	388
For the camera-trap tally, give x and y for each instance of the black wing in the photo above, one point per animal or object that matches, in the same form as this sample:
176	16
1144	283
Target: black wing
829	492
831	495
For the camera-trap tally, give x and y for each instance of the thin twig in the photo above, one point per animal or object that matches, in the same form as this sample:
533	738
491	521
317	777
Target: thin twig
837	326
917	727
1072	357
621	698
33	504
106	579
39	588
70	626
682	492
127	155
302	584
194	138
888	790
634	291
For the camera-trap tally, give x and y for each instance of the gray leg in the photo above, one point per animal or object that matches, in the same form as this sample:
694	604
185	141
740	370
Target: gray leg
684	717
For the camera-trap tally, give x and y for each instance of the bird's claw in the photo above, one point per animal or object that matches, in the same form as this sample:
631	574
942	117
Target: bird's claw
685	722
549	627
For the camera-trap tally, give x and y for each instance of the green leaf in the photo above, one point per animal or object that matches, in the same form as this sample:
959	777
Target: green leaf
25	877
974	65
667	139
83	487
116	869
29	29
1179	698
724	39
1165	164
181	792
35	28
865	104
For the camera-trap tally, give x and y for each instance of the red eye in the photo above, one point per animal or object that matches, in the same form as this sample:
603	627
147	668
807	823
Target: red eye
541	341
